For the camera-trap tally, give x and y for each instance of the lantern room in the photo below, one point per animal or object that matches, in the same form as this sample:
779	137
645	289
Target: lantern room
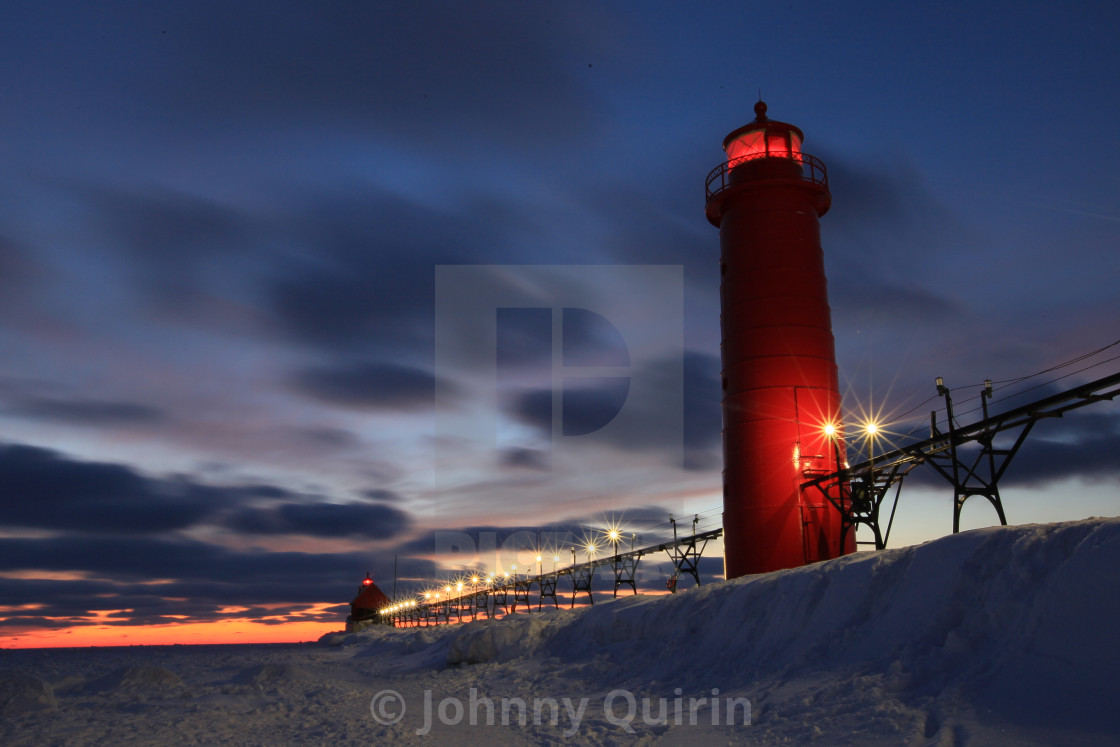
763	138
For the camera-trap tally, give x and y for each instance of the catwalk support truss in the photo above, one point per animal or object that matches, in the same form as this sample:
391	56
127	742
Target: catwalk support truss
971	458
506	597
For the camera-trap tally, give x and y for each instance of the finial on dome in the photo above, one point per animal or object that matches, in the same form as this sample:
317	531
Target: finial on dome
760	111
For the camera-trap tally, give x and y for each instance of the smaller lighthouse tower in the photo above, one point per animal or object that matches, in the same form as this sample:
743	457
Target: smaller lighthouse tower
781	401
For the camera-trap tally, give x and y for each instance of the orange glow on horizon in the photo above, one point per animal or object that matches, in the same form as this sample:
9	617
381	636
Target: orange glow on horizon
38	575
226	631
96	630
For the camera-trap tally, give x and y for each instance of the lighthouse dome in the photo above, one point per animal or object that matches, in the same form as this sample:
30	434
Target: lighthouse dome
763	138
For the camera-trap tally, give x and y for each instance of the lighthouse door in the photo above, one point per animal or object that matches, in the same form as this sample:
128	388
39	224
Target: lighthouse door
814	457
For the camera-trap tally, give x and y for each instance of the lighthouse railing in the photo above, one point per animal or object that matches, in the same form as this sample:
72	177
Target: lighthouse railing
812	170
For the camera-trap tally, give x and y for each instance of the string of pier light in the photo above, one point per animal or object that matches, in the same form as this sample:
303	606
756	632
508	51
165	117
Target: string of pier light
613	534
1000	385
467	586
457	586
666	526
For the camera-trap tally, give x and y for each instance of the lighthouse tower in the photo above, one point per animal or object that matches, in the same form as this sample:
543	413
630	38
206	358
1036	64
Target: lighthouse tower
781	400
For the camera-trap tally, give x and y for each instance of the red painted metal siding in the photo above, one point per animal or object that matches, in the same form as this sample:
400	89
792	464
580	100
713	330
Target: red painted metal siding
779	368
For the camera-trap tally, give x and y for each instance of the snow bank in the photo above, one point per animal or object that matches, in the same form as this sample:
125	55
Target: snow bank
266	675
970	604
23	692
141	678
997	636
1017	623
505	640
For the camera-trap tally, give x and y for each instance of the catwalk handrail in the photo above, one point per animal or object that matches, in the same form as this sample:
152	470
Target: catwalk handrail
1053	406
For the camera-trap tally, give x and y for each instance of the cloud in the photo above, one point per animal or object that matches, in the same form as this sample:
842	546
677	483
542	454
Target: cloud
329	438
703	409
500	72
331	520
523	458
892	248
593	403
194	565
169	231
885	214
20	273
98	413
871	300
179	254
396	70
385	386
380	495
651	523
524	339
359	275
197	580
591	340
46	490
586	407
1082	444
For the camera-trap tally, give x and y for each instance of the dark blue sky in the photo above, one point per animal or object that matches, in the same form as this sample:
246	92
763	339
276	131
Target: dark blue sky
220	228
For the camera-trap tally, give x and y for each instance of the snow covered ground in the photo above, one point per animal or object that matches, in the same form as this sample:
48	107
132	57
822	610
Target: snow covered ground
997	636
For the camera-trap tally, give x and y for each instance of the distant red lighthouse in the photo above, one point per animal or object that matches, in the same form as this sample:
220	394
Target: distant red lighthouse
365	610
781	399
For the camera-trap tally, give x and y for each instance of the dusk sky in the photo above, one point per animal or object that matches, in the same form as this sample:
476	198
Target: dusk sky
223	228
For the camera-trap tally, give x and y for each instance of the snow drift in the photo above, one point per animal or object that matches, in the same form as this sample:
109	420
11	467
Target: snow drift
1015	626
1002	635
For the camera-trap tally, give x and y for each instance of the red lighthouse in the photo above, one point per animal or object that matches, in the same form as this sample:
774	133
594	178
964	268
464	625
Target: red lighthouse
781	400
